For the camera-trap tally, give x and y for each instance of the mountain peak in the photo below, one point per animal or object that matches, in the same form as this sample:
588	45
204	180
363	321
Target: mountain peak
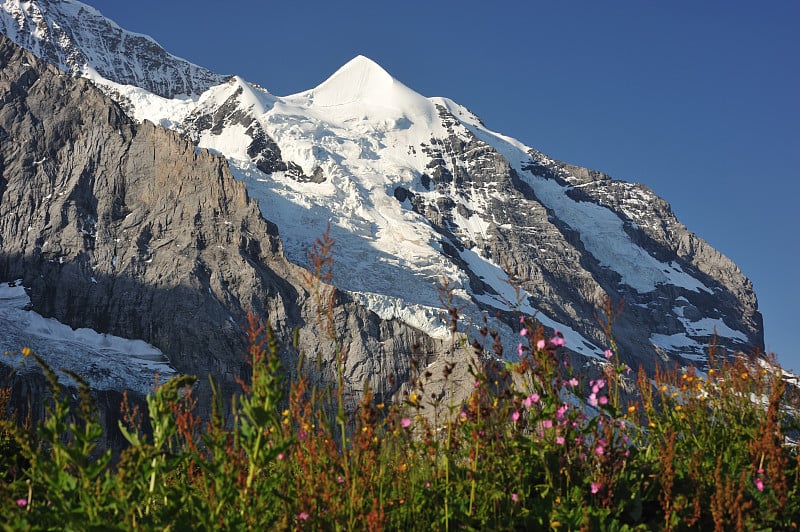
360	80
363	65
363	83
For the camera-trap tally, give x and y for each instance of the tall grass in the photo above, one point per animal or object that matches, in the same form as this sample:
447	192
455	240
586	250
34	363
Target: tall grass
536	445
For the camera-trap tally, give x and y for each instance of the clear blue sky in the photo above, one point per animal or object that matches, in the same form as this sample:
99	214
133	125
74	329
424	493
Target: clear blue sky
700	101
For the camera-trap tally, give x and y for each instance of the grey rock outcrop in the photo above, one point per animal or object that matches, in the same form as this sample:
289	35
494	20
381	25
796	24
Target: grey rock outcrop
129	229
549	257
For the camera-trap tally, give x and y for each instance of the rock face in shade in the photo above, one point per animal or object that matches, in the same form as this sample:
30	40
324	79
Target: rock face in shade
129	229
125	227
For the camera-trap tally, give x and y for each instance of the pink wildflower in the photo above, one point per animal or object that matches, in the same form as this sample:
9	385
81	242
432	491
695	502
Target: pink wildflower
560	440
593	399
302	516
514	497
280	456
523	332
515	416
557	340
339	479
540	344
532	398
596	486
608	353
547	424
603	400
405	422
759	484
572	382
599	450
519	349
561	411
22	503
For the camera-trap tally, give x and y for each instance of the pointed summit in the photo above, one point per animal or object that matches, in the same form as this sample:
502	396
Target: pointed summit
363	85
359	80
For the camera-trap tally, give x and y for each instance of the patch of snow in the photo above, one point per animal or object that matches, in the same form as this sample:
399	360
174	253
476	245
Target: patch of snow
107	362
679	344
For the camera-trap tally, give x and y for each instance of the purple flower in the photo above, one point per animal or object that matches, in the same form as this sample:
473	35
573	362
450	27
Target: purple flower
603	400
599	450
561	411
339	479
405	422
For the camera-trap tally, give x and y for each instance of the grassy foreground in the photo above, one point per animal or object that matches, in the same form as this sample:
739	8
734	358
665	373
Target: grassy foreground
536	446
694	451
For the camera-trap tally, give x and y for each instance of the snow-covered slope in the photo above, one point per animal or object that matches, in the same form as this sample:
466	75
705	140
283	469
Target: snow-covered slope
106	362
418	190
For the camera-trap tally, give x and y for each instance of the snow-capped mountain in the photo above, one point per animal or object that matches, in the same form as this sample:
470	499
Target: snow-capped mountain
417	190
81	41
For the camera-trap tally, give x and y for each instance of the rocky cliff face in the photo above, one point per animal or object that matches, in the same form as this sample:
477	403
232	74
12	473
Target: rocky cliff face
129	229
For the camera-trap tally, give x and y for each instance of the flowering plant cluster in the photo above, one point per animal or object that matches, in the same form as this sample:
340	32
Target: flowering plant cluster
537	445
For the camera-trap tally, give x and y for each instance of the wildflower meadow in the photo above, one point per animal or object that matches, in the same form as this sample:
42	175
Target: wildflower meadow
537	445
